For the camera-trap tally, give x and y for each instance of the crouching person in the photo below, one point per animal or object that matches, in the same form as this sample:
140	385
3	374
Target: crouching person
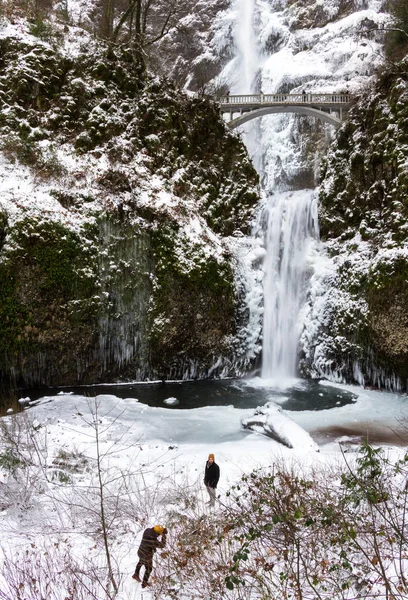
148	546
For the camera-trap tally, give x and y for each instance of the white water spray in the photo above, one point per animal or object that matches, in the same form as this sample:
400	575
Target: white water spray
292	229
248	63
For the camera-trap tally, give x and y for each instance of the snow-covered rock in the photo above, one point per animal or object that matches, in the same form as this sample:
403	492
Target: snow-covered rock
171	401
271	421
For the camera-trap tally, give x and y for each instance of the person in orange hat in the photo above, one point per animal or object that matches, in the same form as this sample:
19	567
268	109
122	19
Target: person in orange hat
211	478
150	542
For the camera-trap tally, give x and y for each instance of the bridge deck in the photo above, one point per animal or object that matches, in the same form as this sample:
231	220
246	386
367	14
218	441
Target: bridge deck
242	102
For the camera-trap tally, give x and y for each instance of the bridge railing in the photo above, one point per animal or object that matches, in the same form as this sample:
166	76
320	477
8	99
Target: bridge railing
256	99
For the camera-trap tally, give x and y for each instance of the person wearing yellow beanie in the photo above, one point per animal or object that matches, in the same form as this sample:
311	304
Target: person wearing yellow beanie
211	478
159	529
147	548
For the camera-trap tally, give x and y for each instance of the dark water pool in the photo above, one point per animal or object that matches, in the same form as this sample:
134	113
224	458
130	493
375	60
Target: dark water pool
302	395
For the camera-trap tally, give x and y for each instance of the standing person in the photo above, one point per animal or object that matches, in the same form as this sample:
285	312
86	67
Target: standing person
211	478
147	548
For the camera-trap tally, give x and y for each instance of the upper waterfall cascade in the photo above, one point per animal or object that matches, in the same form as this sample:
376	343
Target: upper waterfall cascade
246	48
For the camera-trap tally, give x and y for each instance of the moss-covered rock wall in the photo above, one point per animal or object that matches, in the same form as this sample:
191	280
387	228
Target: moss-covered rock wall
364	222
48	306
114	254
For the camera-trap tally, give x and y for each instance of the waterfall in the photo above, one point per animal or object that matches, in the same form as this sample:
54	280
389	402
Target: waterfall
246	46
248	62
292	228
289	221
273	51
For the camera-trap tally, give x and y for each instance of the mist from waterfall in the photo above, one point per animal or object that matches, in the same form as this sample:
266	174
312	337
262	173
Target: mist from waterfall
247	66
292	228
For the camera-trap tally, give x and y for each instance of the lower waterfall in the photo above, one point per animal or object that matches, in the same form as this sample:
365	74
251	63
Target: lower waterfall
292	229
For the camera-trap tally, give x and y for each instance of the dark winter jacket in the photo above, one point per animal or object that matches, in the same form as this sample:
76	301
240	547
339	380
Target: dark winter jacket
212	474
149	544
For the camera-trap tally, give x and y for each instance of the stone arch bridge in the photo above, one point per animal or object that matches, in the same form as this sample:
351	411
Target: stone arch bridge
245	107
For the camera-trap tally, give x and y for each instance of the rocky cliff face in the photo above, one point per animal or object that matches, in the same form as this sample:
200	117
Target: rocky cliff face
122	203
364	222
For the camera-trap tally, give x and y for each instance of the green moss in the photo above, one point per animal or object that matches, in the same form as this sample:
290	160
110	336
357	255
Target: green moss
387	298
387	276
193	307
43	30
55	254
14	316
47	288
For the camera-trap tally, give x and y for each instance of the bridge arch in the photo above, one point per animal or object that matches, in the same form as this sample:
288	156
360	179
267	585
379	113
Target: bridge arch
269	110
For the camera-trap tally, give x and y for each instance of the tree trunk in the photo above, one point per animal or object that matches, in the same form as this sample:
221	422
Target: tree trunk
106	26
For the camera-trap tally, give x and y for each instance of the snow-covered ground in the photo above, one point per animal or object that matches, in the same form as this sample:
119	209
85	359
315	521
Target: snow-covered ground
161	449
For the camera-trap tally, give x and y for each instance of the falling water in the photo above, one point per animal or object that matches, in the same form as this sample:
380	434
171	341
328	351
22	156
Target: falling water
248	59
291	224
246	47
291	231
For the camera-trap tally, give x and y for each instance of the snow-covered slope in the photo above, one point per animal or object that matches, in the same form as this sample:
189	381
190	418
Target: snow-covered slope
151	463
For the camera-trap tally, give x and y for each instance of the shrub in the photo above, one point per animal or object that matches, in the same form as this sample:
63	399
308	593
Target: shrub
285	533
